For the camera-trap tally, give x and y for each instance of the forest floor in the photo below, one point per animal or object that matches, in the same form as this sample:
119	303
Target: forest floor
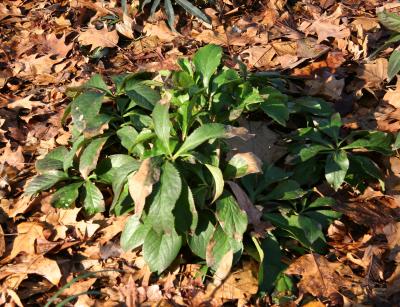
324	46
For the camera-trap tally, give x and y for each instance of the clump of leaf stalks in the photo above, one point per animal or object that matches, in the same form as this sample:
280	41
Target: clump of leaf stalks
159	143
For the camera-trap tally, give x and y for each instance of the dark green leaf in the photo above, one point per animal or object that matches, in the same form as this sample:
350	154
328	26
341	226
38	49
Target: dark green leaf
396	144
90	155
275	105
206	60
200	135
336	167
232	219
97	82
394	64
66	196
389	20
218	246
161	123
285	190
160	249
367	166
127	135
190	8
170	13
308	152
53	160
142	95
167	193
199	239
44	181
134	233
374	140
93	199
69	157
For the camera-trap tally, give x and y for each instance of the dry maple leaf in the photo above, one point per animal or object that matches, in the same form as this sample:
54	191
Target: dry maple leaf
99	38
319	277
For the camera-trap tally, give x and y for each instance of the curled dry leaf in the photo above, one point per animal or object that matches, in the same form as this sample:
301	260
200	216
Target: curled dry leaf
373	74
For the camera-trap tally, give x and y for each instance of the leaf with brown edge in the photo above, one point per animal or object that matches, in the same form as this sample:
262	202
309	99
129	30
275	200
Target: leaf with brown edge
141	183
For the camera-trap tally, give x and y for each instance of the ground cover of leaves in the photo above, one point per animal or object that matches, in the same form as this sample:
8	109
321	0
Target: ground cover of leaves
324	46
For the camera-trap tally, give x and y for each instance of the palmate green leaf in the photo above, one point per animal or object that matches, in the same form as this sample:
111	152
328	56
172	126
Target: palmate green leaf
160	249
336	167
108	169
389	20
161	123
66	196
186	216
232	219
190	8
134	233
54	160
394	64
93	201
200	135
331	126
167	193
201	236
206	60
44	181
218	181
90	155
313	105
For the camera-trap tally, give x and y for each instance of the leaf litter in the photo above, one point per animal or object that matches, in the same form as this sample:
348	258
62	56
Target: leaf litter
322	47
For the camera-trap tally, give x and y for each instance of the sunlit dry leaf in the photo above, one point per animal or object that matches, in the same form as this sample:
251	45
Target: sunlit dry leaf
224	268
24	103
34	264
373	74
2	242
28	233
319	277
99	38
13	158
125	26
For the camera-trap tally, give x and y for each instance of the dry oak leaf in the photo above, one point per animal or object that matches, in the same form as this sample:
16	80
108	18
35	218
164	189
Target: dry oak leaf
241	284
14	207
319	277
13	158
393	96
24	103
328	26
160	30
28	233
31	65
373	74
33	264
99	38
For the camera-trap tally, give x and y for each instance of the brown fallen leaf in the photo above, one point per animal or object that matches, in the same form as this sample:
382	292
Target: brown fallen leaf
241	284
373	74
319	277
2	242
224	268
8	297
99	38
28	233
33	264
13	158
79	287
141	183
125	26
